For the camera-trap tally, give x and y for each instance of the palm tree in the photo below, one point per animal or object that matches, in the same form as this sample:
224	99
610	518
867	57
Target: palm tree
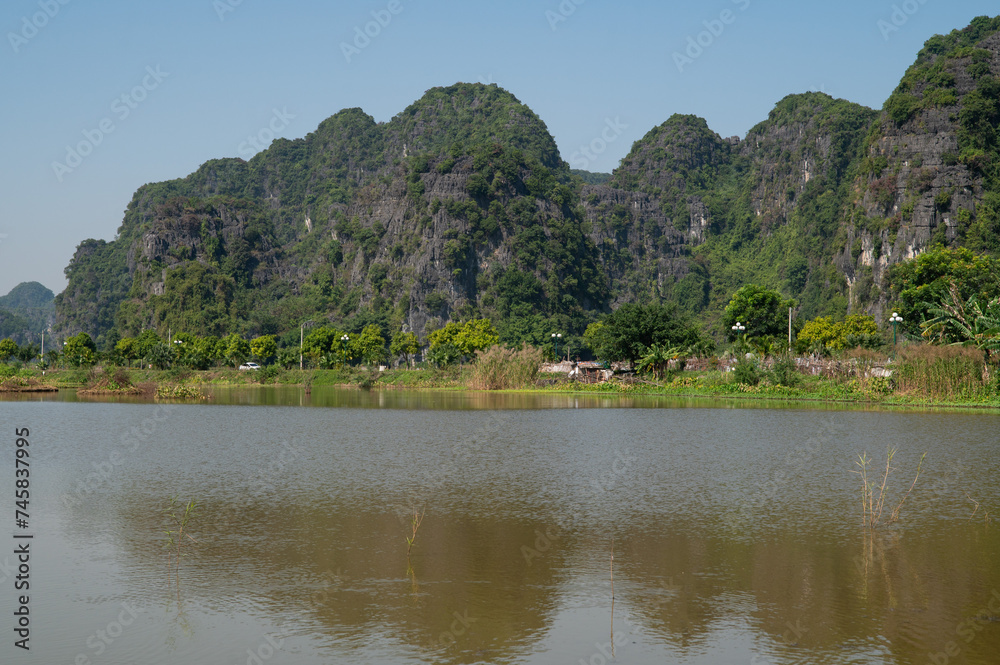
657	358
966	323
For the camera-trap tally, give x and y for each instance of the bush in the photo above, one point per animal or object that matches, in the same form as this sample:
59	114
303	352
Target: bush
785	372
108	380
265	374
747	371
500	368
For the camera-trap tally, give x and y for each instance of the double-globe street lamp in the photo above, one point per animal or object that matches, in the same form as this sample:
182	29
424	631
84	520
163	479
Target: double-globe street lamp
895	319
555	338
344	339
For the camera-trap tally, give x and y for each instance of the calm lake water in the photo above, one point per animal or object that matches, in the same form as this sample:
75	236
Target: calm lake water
735	531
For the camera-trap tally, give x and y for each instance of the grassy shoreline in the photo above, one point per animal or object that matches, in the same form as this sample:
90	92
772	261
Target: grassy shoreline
704	385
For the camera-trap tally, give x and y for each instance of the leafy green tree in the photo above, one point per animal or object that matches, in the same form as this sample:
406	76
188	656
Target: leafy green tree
288	357
444	335
476	335
146	340
923	283
822	334
443	354
762	311
467	338
212	348
27	352
237	349
8	348
630	330
404	344
128	349
370	345
196	352
264	347
819	335
597	337
321	341
160	355
80	350
860	330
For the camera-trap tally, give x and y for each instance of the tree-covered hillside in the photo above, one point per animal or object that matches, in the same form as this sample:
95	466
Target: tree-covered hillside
26	312
461	207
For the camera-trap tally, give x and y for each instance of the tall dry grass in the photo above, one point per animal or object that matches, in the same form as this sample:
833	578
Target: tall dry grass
942	371
500	368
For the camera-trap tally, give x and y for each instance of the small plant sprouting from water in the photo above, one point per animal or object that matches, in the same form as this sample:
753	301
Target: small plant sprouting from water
986	514
179	515
418	517
875	487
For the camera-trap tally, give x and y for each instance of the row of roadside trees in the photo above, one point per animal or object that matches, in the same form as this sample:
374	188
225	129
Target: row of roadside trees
948	296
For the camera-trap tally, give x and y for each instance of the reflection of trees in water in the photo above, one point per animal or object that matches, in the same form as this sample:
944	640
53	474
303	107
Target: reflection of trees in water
465	593
803	592
317	565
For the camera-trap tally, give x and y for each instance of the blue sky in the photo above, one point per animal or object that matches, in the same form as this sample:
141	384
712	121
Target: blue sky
150	90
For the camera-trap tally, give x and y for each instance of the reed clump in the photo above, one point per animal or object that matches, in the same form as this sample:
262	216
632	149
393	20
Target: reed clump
875	488
418	517
180	516
500	368
942	372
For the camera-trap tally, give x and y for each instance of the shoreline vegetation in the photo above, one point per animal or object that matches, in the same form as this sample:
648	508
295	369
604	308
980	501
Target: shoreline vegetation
920	376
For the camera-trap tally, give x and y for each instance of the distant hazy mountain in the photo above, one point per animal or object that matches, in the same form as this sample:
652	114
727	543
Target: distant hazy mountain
26	311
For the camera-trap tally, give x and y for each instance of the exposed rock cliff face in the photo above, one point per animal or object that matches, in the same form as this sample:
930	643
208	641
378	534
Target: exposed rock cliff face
926	170
461	206
809	137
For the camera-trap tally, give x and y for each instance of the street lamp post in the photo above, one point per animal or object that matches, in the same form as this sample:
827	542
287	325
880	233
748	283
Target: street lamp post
895	318
555	338
302	327
344	339
738	330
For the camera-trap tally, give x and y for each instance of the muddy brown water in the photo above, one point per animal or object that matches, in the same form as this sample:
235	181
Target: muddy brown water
735	530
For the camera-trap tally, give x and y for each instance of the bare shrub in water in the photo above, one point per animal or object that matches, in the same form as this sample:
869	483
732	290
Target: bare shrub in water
500	368
875	488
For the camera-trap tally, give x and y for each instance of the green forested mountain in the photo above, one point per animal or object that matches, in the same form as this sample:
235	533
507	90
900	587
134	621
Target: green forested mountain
26	311
461	206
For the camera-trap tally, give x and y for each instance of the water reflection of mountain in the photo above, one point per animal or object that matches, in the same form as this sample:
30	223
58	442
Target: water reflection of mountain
318	548
892	593
466	593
